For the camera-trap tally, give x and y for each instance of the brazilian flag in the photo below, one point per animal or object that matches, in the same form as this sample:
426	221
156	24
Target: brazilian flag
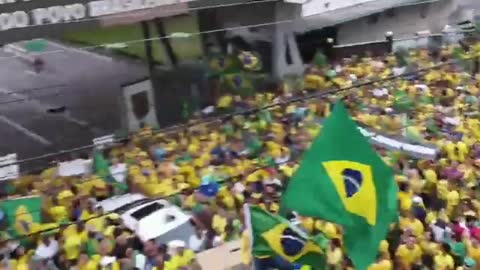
220	65
341	179
240	83
101	168
250	61
273	235
23	215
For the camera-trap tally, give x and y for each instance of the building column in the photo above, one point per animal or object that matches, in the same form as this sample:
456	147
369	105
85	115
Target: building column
165	41
148	45
285	53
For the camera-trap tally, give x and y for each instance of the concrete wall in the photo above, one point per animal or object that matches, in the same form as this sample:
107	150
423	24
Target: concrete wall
404	23
314	7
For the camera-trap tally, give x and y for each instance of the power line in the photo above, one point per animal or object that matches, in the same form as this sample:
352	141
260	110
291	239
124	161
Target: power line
171	36
248	111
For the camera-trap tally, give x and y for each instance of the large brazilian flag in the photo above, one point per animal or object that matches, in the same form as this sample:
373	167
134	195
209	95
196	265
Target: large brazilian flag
23	214
342	179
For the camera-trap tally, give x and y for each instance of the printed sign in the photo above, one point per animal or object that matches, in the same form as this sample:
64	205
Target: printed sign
8	167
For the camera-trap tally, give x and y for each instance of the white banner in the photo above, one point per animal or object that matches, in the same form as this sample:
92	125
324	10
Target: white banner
74	167
9	171
392	143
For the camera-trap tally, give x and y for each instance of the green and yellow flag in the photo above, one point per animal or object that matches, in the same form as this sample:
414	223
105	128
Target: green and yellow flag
101	168
273	235
342	180
23	215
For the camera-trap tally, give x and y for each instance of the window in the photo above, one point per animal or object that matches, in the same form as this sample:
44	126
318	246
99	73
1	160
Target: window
131	205
147	210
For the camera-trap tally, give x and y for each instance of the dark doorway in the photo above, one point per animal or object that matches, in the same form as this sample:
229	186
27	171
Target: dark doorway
310	42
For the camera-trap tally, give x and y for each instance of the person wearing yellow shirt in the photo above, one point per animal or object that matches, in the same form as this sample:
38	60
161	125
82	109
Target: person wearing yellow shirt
411	223
405	195
334	252
59	213
384	248
180	256
72	246
21	259
462	151
442	189
428	245
443	260
450	149
409	253
383	263
85	263
473	249
453	197
219	223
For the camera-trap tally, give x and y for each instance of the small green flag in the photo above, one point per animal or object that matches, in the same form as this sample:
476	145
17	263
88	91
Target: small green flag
254	146
403	102
186	110
320	60
101	167
342	180
21	214
401	56
272	235
240	83
426	100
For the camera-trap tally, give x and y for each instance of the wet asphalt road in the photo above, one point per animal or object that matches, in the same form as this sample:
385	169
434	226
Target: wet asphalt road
86	83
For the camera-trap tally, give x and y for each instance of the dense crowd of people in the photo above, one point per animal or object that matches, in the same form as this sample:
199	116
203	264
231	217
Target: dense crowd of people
250	157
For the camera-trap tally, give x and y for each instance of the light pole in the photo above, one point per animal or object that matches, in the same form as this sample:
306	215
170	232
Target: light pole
389	38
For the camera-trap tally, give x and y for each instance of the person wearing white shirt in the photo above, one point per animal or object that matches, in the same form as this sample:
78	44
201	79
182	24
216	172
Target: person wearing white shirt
118	170
47	249
196	242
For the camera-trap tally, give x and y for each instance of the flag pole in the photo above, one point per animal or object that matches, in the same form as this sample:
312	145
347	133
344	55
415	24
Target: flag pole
247	221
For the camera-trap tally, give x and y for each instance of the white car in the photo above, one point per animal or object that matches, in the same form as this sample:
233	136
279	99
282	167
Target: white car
117	203
157	219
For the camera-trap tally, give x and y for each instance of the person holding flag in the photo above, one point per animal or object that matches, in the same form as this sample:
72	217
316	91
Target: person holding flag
101	168
342	180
